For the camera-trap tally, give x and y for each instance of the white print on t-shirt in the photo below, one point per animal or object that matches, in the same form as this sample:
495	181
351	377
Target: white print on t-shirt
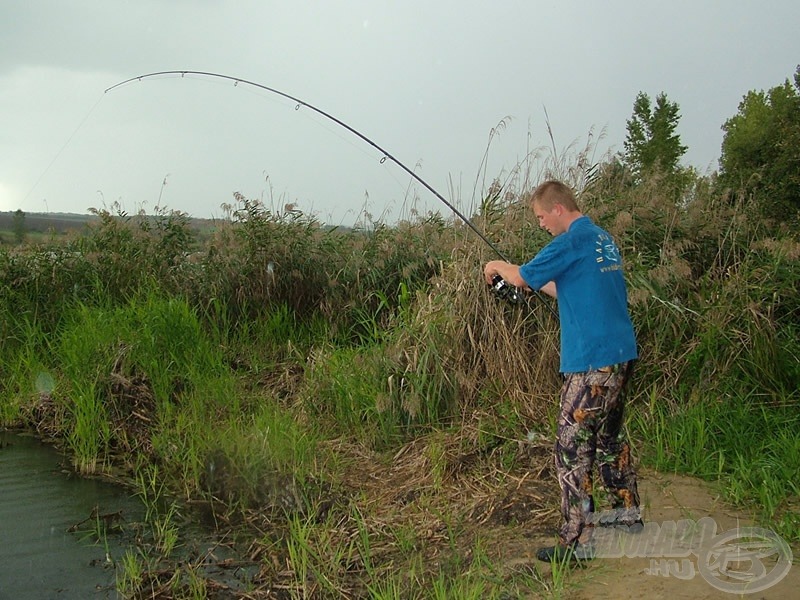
607	253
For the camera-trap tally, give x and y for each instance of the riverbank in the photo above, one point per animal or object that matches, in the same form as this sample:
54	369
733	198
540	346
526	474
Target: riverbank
341	407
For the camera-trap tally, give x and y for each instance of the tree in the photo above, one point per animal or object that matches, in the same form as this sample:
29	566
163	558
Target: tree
18	225
761	149
652	145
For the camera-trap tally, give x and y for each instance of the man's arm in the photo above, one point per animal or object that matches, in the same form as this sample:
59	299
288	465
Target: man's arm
511	274
507	271
549	288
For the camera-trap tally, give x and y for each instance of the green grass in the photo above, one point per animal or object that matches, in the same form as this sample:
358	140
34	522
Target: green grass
751	449
253	372
26	363
345	390
148	358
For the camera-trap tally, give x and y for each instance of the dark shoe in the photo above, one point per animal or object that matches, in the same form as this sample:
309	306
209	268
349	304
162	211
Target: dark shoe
636	526
561	553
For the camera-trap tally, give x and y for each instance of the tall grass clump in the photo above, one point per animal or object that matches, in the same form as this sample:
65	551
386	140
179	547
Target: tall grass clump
724	440
259	260
713	293
264	461
25	365
42	282
128	368
127	252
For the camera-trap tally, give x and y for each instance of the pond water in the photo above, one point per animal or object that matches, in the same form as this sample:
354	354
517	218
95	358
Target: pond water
46	514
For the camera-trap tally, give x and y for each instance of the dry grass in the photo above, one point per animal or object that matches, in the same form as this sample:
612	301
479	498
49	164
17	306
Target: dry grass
425	510
438	384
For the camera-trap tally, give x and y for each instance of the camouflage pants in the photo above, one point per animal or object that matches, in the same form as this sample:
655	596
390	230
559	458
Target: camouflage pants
589	433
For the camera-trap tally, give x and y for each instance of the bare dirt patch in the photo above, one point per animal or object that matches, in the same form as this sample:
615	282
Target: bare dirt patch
671	498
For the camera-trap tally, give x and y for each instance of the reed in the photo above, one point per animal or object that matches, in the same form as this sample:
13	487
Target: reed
344	392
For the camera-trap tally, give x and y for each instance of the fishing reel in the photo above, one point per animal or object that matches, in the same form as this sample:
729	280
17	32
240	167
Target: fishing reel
505	291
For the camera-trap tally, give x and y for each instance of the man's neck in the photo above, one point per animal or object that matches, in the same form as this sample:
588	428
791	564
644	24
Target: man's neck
571	217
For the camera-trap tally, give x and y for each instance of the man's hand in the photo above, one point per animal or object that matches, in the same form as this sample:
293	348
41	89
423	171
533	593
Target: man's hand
491	269
507	271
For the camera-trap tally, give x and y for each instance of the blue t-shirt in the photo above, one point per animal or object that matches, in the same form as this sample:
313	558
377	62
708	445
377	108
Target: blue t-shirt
585	264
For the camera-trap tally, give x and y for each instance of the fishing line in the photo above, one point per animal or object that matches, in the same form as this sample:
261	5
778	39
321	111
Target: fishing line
69	139
311	117
298	104
386	155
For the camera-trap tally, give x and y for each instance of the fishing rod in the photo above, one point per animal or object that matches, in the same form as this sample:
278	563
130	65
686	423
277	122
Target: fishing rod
386	155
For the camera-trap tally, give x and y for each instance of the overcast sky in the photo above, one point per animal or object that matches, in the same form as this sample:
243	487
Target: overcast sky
426	80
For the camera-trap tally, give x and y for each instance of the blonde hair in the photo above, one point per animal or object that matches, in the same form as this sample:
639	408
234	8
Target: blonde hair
553	192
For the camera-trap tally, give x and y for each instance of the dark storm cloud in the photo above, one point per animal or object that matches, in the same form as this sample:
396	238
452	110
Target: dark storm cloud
427	80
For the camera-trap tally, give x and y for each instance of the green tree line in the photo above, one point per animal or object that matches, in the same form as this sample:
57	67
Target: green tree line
759	157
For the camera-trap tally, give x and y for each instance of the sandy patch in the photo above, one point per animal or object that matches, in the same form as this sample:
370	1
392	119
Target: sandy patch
669	499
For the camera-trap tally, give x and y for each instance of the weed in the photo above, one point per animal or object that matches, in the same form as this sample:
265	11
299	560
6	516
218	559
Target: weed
130	573
250	368
724	441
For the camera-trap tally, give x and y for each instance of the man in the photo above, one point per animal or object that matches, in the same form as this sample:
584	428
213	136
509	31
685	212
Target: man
582	268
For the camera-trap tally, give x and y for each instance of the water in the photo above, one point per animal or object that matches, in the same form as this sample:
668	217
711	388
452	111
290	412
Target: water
39	502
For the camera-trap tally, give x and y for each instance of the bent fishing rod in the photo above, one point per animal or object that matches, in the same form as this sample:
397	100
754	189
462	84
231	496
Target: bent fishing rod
298	103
